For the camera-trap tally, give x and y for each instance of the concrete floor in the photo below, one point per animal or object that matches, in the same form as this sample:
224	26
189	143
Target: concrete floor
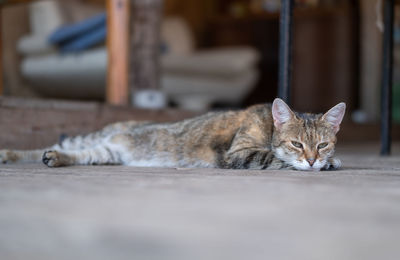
112	212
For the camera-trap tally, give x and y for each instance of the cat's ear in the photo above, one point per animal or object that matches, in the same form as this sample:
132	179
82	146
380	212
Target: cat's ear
281	112
335	115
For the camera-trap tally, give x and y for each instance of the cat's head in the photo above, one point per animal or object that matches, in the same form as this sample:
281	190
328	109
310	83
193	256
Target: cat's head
305	141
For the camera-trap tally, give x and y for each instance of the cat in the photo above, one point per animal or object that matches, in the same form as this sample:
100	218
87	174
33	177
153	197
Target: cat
266	136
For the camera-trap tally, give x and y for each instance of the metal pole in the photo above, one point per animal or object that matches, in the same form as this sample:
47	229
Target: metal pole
387	72
285	50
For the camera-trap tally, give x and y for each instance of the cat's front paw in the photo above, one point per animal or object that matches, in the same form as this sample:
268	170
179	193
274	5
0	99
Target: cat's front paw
277	164
51	159
333	164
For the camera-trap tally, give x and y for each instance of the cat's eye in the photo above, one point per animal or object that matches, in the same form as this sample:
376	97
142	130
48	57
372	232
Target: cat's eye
322	145
297	144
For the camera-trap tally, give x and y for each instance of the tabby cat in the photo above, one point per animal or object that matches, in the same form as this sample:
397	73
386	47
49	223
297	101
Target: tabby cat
260	137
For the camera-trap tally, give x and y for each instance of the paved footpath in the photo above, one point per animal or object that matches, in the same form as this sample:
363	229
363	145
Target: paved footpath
113	212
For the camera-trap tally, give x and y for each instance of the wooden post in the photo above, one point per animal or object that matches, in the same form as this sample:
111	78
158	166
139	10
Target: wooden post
117	46
144	57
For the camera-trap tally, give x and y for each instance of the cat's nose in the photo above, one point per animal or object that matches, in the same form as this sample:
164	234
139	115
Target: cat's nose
311	161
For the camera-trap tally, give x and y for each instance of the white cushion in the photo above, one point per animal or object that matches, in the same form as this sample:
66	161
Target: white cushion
222	61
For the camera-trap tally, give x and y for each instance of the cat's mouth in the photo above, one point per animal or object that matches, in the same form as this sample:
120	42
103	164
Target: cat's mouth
303	165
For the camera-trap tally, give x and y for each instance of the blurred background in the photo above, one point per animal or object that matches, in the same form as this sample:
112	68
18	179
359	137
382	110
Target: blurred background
70	67
213	53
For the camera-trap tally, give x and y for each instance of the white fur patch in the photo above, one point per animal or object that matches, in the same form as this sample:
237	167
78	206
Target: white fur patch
302	165
305	166
152	163
164	160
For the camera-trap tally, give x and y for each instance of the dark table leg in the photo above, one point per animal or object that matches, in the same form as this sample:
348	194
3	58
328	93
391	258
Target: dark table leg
387	72
285	50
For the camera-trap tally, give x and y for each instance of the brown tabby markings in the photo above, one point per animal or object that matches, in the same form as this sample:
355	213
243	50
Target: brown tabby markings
260	137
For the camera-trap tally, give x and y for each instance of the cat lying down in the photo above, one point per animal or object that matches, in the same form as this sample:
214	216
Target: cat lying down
259	137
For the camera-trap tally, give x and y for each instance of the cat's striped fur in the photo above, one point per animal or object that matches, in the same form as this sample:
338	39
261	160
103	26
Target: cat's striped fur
260	137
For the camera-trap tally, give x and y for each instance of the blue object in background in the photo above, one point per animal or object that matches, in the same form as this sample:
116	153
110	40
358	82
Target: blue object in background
85	41
80	36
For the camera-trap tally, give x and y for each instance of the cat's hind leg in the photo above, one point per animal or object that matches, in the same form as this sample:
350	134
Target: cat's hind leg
89	156
15	156
24	156
113	150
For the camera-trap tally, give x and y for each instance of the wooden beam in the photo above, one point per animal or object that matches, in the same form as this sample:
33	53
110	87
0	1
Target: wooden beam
38	123
12	2
117	46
